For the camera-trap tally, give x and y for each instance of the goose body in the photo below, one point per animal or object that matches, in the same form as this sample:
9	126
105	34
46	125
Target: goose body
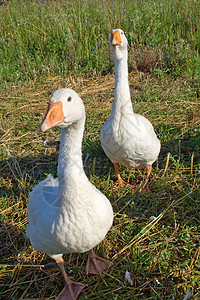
119	145
127	138
67	214
75	226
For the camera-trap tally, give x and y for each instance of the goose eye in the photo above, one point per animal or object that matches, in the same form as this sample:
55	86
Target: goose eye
69	99
122	33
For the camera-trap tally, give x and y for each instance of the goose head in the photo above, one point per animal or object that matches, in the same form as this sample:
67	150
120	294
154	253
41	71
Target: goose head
118	43
65	108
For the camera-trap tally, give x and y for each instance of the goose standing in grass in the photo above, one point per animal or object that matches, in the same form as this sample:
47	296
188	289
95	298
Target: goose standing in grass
68	214
127	138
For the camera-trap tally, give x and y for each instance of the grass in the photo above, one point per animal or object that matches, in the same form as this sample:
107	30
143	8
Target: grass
50	38
162	255
155	236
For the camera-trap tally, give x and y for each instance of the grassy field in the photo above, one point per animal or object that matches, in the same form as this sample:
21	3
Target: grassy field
48	38
155	236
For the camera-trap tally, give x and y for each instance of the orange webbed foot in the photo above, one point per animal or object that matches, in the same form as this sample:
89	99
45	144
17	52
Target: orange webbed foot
96	264
71	291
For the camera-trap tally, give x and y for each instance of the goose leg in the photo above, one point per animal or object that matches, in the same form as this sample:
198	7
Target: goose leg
72	289
96	264
121	181
146	185
149	169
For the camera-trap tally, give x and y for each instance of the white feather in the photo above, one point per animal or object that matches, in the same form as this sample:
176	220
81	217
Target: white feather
128	278
187	296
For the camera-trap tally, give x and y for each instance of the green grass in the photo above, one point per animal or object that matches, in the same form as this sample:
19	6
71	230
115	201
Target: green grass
155	236
49	38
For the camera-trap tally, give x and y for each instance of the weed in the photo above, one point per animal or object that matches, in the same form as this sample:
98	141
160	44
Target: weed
51	38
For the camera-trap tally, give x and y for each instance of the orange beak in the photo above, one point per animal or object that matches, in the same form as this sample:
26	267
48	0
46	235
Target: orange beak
54	116
116	38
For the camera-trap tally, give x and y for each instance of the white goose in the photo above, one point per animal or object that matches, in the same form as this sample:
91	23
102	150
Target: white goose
127	138
68	214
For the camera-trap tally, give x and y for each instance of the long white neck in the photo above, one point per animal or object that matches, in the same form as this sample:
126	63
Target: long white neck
122	100
70	163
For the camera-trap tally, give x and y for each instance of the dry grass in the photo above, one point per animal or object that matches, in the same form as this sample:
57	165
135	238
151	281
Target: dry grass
161	253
